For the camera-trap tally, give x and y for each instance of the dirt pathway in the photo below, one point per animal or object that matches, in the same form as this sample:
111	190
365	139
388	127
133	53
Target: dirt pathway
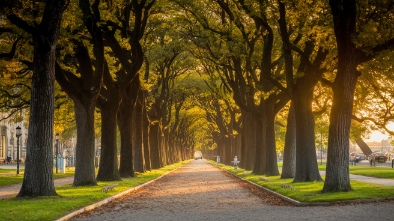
200	191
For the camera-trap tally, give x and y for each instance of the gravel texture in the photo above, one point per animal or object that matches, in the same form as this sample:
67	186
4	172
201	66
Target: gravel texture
200	191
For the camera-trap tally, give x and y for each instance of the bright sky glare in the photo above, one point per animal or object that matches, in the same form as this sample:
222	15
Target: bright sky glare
377	136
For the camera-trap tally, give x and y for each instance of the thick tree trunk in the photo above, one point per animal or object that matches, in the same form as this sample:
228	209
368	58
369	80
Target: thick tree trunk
306	160
248	141
271	168
166	146
108	170
127	128
154	142
38	176
260	143
145	129
124	117
337	170
289	155
139	158
228	148
237	143
84	163
162	147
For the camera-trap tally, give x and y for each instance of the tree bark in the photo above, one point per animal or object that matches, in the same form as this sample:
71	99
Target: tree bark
38	176
126	166
289	155
306	160
248	141
154	142
271	168
139	158
126	128
260	142
108	169
145	129
337	170
85	149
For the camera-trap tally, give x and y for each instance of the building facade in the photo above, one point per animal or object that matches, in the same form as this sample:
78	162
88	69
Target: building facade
8	140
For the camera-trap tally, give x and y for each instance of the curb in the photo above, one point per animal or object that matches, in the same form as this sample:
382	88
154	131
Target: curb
303	204
111	198
287	199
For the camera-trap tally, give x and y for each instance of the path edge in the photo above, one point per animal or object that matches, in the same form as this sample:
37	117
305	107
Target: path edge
112	198
287	199
303	204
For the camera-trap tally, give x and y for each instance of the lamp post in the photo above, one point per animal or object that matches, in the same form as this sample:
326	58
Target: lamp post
18	134
57	149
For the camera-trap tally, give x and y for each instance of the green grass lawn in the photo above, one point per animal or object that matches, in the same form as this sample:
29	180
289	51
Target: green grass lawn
311	191
71	198
8	176
379	172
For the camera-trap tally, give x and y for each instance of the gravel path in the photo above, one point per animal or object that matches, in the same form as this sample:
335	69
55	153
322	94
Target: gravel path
200	191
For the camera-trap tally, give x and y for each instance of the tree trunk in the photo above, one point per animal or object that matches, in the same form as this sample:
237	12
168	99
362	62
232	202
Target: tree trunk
289	155
260	149
127	128
126	108
271	168
145	129
108	170
154	142
38	176
139	158
162	147
337	170
306	160
248	142
166	146
84	163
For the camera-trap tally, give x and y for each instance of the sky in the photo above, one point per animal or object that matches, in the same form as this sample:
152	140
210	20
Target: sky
379	136
376	136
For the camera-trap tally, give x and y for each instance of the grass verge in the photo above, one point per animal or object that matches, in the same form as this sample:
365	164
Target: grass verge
379	172
310	192
72	198
9	177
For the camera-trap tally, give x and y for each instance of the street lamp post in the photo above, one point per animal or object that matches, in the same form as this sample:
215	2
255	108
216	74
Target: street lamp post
57	149
18	134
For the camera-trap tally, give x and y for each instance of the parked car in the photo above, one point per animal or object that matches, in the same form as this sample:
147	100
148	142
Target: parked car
377	157
357	157
361	156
